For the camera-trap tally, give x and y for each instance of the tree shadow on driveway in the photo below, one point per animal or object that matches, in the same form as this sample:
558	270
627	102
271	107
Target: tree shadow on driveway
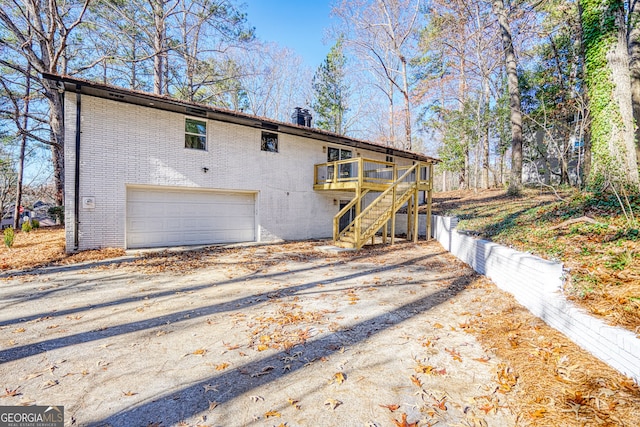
178	405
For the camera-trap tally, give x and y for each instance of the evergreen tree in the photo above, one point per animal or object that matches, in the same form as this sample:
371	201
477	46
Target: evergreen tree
331	91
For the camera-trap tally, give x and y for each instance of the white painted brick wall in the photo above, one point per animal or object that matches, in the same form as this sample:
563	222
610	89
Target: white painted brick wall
123	144
537	284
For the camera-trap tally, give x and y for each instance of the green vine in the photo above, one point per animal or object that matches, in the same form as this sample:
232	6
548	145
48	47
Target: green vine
600	30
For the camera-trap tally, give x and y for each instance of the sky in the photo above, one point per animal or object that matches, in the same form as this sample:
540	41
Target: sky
297	24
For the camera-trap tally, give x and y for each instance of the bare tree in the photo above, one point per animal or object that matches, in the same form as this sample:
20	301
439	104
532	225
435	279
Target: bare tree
515	107
380	32
39	31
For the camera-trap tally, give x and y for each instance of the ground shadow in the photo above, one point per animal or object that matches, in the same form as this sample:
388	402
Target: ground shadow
15	353
178	405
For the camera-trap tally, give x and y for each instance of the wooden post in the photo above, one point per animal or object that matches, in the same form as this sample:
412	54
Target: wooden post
416	206
357	230
429	195
385	232
409	217
393	206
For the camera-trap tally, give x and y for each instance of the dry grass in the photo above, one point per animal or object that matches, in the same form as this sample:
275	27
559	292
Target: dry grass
602	253
44	247
556	383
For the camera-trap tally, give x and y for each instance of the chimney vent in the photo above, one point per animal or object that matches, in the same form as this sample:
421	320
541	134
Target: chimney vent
301	117
297	118
307	118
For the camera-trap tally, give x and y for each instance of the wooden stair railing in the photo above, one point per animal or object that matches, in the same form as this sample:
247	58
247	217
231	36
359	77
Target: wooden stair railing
378	213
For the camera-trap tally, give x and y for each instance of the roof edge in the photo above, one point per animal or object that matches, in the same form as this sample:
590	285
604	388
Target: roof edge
115	93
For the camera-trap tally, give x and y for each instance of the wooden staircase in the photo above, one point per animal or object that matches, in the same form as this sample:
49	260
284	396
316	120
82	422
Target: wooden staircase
378	213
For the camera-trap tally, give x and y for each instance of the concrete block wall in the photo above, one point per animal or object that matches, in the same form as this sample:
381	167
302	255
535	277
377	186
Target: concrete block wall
537	284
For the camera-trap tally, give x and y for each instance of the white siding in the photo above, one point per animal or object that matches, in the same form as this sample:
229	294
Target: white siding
126	145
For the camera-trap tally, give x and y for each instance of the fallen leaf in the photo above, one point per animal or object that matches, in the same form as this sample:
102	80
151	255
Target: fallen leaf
332	403
272	414
392	408
212	405
128	393
294	403
416	381
51	383
481	359
486	408
404	423
231	346
32	376
437	326
455	354
539	413
19	331
263	347
200	352
209	387
11	393
339	377
222	366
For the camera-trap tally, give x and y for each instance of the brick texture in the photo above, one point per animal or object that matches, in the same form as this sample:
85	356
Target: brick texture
124	145
537	284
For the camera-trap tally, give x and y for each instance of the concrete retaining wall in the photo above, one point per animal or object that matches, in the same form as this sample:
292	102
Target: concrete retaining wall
537	284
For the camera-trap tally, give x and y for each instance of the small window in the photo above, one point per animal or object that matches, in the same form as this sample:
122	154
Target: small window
195	134
390	159
335	154
269	142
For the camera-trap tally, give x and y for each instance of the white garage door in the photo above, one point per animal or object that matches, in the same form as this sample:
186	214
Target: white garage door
170	217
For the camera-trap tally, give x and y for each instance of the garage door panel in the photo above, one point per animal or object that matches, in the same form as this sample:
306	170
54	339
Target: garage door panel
169	217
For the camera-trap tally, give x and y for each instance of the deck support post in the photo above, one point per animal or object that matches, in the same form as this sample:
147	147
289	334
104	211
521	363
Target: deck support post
429	198
416	209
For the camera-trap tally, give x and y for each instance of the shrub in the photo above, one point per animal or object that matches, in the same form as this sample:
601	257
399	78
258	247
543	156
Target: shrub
26	226
57	214
35	223
9	235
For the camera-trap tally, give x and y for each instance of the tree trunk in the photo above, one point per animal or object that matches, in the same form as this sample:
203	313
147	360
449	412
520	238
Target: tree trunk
392	130
57	140
462	99
158	46
515	183
485	132
608	82
23	146
586	161
407	106
633	37
618	57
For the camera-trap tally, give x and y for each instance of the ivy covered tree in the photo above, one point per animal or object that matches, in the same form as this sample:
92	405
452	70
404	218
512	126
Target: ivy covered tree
331	91
608	84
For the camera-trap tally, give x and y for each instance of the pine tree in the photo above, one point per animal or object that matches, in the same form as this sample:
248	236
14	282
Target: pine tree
331	91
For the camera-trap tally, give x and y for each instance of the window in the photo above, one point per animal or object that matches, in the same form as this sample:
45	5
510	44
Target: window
390	159
269	142
195	134
335	154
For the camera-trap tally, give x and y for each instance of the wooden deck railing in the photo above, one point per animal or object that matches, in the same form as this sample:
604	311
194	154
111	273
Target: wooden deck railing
357	170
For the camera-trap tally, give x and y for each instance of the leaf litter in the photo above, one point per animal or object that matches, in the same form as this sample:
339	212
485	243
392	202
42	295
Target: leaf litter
560	384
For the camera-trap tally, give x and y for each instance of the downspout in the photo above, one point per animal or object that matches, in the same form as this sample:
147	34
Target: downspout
76	192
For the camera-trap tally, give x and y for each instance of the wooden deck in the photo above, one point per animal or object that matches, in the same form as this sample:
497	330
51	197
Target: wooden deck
398	185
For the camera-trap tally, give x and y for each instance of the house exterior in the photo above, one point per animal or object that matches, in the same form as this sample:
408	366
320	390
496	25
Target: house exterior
143	170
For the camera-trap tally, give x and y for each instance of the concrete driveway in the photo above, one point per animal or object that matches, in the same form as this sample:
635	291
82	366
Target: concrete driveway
253	336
